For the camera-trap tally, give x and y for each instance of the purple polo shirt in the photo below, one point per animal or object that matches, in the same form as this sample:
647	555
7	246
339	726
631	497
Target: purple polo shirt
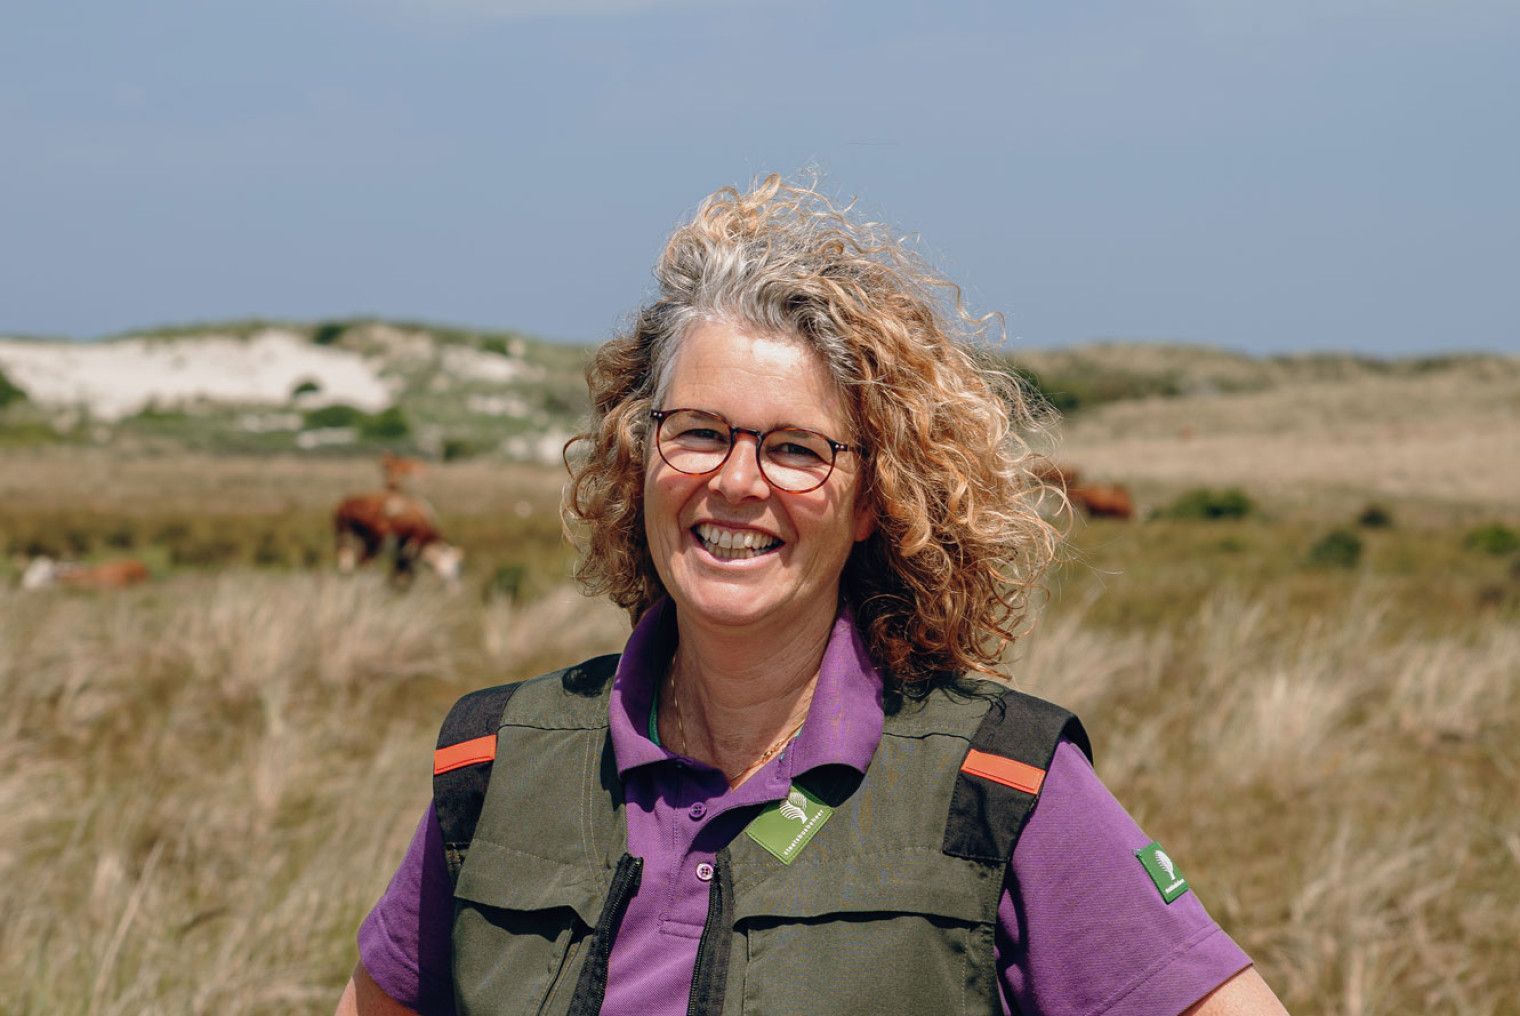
1082	928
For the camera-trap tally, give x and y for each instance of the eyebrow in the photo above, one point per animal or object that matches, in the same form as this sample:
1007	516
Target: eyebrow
786	425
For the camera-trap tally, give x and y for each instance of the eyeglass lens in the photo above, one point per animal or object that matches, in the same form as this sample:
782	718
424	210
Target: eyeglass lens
792	459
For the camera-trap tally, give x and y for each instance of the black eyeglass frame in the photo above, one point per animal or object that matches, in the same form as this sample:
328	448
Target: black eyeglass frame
659	416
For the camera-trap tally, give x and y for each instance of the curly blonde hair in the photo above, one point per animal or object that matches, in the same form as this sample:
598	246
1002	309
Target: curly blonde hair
944	583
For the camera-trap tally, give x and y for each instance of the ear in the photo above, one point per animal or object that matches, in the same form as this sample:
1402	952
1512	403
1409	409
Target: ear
865	520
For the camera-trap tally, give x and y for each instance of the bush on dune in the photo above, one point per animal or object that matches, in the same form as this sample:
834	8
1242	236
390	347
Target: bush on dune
1208	505
9	392
1495	538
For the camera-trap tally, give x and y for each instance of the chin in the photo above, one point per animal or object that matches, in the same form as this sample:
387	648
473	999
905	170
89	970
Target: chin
732	607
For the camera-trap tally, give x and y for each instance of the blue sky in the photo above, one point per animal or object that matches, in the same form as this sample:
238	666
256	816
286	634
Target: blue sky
1264	176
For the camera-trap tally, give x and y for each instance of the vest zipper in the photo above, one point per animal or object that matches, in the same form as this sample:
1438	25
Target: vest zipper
710	976
591	988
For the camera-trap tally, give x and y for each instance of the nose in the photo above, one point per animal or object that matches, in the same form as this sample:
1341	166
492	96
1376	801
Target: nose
739	477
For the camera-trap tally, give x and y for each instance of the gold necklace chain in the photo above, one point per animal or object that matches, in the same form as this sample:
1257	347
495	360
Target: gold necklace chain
765	756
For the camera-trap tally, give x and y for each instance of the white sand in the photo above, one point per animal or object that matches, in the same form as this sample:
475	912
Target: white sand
478	365
117	379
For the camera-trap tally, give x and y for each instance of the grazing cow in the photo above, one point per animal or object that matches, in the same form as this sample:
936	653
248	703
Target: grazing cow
1103	501
42	572
365	523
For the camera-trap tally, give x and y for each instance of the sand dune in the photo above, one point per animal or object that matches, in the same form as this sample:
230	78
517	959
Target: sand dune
118	379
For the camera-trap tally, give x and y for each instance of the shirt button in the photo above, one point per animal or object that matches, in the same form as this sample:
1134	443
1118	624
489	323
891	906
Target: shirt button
704	872
698	810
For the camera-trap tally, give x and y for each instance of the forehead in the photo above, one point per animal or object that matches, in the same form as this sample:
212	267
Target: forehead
755	379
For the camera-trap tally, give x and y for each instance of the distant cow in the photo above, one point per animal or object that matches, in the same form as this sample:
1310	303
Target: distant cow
396	469
1111	501
366	523
1053	474
42	572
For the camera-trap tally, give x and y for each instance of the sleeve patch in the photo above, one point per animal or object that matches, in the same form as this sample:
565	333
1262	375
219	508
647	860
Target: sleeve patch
1170	882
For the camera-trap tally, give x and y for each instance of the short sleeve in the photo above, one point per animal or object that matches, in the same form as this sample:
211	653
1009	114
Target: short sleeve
1082	928
404	942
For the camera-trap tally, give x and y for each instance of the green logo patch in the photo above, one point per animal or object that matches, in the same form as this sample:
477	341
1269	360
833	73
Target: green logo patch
1169	881
785	827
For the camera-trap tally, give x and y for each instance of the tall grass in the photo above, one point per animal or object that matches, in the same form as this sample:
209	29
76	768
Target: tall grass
206	782
1341	793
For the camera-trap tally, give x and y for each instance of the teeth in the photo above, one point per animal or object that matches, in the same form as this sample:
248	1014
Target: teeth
734	545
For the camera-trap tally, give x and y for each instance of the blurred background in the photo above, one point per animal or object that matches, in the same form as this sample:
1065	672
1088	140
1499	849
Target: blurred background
262	266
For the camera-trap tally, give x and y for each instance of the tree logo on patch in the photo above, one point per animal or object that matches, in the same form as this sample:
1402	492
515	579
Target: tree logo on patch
1170	882
795	806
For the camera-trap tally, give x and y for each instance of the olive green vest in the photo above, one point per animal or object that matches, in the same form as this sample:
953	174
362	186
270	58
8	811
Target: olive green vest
890	909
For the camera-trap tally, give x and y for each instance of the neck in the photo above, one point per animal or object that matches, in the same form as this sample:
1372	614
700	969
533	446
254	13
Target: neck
741	694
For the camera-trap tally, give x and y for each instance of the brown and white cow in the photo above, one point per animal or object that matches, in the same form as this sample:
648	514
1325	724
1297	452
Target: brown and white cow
366	524
42	572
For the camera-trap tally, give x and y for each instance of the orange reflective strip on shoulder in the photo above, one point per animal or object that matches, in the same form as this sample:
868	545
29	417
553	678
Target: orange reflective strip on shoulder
1009	772
465	753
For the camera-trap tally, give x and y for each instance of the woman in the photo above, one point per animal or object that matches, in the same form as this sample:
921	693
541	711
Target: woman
787	795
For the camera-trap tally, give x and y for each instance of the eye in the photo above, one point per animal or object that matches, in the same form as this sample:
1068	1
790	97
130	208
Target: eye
695	431
791	449
798	449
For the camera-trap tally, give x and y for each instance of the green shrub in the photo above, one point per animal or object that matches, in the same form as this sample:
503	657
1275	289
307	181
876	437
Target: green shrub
1061	399
456	448
1339	548
1375	516
25	433
1204	503
1085	384
9	392
386	425
304	387
328	332
336	415
1495	538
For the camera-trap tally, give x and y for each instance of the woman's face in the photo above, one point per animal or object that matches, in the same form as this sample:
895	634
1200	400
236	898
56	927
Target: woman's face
757	382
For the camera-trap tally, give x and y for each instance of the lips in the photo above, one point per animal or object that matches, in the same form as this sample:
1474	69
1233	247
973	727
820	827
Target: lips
733	544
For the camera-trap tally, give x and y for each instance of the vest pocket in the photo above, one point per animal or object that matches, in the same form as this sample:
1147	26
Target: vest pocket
880	935
520	926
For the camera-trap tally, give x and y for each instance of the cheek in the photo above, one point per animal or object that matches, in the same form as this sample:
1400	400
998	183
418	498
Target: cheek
665	494
830	526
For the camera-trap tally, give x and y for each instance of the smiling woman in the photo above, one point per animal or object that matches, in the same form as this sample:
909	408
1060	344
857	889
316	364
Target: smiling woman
803	786
730	548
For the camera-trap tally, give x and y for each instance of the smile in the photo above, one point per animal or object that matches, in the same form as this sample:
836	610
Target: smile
733	544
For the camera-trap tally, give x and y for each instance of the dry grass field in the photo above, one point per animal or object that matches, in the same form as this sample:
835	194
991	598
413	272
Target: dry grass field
206	780
1445	444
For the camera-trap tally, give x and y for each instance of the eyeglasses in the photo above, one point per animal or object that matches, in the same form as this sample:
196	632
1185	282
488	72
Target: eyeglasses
695	442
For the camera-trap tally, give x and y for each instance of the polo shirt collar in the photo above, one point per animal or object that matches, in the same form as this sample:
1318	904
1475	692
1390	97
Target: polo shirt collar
843	724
